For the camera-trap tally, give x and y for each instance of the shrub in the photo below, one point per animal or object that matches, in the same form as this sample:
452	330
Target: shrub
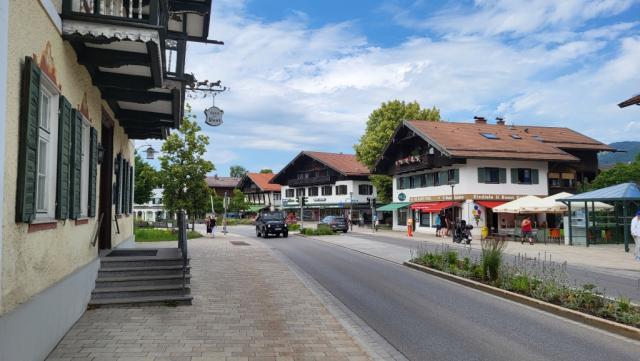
160	235
316	232
452	258
492	249
294	227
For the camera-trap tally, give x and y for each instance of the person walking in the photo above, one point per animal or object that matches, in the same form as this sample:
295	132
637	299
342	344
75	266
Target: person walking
410	227
207	224
635	233
438	224
212	224
526	229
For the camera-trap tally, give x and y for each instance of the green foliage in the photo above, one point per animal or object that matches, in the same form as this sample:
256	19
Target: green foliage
317	232
384	187
492	249
620	173
161	235
236	222
383	122
294	227
146	179
184	169
266	171
380	127
237	171
237	202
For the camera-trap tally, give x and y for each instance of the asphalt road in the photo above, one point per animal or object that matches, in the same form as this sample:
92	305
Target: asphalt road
427	318
614	285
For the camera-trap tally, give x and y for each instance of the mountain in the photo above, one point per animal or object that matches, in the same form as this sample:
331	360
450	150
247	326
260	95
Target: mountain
631	150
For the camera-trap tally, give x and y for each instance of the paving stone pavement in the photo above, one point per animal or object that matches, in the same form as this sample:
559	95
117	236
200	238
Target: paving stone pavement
247	306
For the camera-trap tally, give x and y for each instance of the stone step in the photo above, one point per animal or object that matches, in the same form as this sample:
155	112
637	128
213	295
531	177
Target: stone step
142	271
139	291
120	262
143	280
142	301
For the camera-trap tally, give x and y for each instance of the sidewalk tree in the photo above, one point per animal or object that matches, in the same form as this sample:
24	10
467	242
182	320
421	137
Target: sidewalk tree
184	169
380	127
620	173
237	201
146	179
237	171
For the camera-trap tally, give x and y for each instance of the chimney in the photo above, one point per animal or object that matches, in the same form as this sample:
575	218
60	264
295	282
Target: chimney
480	120
215	176
500	121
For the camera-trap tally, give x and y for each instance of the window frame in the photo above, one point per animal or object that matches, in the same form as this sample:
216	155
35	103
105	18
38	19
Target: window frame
521	172
327	190
301	192
313	190
342	186
488	171
289	193
368	190
50	136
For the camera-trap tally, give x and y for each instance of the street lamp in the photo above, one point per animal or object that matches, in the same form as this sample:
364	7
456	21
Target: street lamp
150	151
351	210
453	213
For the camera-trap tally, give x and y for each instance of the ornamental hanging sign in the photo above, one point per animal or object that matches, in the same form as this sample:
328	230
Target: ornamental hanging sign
213	116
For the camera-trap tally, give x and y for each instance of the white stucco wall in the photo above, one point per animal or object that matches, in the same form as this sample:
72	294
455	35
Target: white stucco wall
319	200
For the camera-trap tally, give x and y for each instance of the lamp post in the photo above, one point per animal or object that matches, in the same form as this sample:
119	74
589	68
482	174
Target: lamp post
150	151
453	213
351	211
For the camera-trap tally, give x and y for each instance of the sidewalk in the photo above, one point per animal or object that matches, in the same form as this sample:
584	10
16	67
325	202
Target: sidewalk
247	306
607	257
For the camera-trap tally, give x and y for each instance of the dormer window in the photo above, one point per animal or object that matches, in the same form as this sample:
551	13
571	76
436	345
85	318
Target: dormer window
490	135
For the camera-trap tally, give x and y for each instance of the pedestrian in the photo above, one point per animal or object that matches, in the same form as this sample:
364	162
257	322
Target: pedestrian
207	224
448	225
526	229
410	227
438	225
635	232
213	227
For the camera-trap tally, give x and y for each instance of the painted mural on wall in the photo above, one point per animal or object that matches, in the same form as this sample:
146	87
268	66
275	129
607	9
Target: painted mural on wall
46	64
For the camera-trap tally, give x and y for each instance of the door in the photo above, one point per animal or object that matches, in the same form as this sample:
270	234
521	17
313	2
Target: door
106	171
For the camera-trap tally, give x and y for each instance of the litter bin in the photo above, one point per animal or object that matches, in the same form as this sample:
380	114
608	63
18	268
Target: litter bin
485	232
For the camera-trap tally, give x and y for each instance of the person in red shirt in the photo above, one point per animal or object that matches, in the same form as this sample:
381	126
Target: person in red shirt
526	230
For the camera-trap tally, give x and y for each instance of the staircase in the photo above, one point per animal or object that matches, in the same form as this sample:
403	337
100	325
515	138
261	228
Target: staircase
142	276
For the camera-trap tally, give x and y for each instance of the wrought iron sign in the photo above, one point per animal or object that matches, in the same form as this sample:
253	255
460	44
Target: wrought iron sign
213	115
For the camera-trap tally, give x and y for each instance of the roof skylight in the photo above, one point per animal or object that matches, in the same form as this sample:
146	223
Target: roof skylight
516	136
489	135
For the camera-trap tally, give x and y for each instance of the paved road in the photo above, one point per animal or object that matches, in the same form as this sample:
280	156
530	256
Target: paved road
614	285
427	318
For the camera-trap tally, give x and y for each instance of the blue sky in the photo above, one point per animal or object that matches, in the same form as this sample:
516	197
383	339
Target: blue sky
304	75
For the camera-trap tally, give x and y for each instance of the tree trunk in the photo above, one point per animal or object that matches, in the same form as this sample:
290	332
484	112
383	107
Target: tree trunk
193	223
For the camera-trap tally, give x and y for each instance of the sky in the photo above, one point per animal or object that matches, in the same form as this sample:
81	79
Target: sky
305	74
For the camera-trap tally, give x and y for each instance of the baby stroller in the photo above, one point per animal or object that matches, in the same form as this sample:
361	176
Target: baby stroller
462	232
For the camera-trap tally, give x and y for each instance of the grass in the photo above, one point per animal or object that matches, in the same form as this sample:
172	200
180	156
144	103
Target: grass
160	235
535	277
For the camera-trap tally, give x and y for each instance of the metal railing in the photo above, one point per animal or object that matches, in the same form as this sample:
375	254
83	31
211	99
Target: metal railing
96	233
311	181
182	244
130	10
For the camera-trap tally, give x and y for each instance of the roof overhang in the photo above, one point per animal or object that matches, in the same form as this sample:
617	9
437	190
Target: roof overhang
635	100
189	19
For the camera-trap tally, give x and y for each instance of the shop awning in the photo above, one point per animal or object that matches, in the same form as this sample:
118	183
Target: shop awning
256	208
490	204
433	207
392	206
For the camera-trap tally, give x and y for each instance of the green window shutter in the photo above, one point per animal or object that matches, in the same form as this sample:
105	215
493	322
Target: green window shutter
125	188
514	175
503	175
28	145
93	172
116	193
444	177
64	159
76	165
131	184
534	176
482	175
456	175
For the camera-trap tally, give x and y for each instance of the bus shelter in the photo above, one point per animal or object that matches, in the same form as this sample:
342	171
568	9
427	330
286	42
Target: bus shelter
584	224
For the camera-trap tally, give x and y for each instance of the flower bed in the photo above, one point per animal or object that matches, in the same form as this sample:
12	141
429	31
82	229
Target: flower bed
544	280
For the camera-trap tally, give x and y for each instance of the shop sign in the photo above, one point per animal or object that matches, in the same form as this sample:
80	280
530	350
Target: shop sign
402	197
213	116
462	197
319	199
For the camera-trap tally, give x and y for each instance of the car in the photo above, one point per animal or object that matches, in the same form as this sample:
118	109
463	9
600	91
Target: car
337	224
271	223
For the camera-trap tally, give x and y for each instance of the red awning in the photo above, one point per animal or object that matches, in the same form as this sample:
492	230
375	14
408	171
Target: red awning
490	204
433	207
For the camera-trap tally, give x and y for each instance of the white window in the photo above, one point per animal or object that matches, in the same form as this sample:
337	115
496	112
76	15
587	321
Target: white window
85	172
47	150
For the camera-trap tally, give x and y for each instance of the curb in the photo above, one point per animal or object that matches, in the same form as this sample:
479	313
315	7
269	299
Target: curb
597	322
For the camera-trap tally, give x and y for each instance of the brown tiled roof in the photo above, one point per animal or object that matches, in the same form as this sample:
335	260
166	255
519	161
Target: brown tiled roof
262	181
634	100
465	140
222	182
346	164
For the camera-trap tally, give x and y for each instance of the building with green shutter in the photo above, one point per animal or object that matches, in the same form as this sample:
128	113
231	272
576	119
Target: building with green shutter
80	80
463	170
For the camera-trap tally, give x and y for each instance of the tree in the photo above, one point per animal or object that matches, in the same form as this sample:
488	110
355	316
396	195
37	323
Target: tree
380	127
184	170
146	179
266	171
620	173
237	171
237	201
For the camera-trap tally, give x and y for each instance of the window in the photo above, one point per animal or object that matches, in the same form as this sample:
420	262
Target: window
492	175
453	176
276	196
365	189
47	150
289	193
341	190
327	190
516	136
416	181
313	191
85	172
404	183
425	219
300	192
436	179
402	217
490	135
524	176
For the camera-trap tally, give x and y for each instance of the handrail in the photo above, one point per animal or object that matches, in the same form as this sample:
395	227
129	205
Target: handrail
97	230
182	244
115	219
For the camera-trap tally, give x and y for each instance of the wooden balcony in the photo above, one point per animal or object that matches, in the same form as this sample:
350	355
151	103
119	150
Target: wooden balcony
311	181
130	12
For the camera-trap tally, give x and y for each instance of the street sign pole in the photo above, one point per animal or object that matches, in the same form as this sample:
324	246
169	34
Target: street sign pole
301	212
225	203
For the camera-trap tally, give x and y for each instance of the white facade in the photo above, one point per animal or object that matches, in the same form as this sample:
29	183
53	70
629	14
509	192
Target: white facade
273	199
152	211
469	191
352	194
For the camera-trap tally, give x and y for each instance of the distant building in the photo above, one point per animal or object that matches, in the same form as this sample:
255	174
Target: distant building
466	169
220	185
259	193
334	184
153	211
